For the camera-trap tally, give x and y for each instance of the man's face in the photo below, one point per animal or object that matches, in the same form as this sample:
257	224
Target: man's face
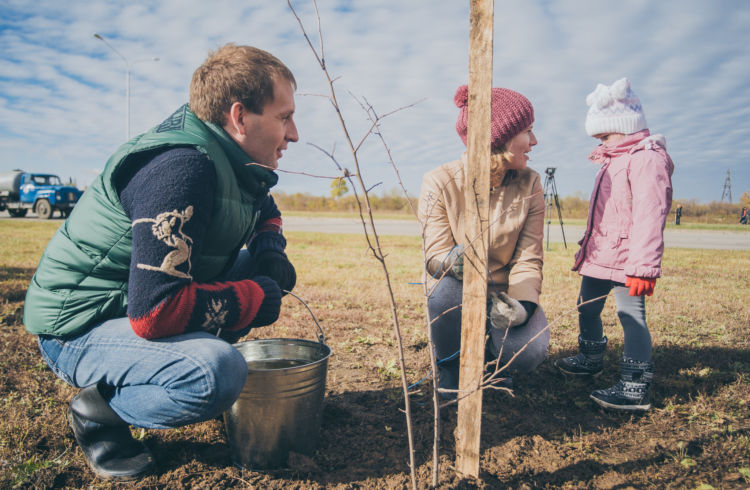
266	135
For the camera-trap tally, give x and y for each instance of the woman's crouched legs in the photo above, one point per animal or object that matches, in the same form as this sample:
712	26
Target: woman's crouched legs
528	342
524	346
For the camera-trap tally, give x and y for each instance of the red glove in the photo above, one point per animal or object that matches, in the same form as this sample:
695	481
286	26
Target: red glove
640	285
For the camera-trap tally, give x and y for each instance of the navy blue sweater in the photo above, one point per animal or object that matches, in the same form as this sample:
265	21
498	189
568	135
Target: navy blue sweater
169	199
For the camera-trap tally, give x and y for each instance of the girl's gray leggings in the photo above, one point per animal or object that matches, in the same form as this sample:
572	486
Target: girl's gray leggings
630	309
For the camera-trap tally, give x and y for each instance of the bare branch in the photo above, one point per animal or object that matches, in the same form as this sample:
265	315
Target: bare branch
329	154
304	33
393	164
374	119
374	242
320	37
302	173
313	95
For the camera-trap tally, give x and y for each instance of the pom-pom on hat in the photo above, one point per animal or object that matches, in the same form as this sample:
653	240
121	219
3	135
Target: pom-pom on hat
511	114
614	109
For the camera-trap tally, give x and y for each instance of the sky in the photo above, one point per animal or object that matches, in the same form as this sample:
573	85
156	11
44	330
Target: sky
63	91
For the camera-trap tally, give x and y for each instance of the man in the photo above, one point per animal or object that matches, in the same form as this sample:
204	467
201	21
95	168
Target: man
138	294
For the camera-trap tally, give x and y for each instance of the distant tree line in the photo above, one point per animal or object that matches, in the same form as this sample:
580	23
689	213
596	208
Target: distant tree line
572	207
392	201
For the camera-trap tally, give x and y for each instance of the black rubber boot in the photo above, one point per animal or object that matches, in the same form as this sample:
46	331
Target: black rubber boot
105	438
632	391
588	362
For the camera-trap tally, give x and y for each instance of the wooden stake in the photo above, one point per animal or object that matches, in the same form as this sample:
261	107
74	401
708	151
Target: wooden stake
476	194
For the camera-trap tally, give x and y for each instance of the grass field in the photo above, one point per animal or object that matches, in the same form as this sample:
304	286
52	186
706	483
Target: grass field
548	435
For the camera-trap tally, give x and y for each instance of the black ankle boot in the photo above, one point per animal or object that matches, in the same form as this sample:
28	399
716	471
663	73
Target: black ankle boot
105	438
588	362
632	391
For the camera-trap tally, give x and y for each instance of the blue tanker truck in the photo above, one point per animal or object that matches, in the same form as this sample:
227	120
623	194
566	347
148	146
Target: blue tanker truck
41	193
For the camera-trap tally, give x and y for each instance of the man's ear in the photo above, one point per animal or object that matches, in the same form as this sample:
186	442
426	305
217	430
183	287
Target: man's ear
235	119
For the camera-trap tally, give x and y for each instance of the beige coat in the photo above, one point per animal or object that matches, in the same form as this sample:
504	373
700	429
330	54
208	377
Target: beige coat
516	225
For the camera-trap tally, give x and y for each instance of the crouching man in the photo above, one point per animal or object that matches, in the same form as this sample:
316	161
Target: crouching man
172	254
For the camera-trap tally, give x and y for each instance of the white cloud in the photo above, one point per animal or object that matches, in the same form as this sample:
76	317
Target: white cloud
62	101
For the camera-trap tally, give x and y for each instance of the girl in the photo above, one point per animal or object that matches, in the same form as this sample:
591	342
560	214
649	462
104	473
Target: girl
623	243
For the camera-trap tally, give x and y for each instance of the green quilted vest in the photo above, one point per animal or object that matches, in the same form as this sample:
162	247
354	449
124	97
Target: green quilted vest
82	277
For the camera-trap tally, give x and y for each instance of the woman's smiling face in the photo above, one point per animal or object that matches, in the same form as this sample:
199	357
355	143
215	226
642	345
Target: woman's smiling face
519	146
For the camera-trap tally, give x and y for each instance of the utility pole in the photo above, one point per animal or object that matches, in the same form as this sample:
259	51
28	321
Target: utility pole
128	66
727	188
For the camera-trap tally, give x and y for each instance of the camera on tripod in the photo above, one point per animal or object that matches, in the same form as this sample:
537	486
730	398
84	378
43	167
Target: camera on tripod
551	199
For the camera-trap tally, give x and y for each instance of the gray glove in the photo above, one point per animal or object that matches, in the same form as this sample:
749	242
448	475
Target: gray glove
506	311
454	261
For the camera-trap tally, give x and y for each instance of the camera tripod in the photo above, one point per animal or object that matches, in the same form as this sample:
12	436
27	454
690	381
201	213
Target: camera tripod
550	197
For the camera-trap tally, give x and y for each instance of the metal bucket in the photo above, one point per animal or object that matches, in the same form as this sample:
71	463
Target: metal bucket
279	410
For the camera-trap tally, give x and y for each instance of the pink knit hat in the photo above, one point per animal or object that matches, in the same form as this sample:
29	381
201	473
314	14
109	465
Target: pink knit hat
511	114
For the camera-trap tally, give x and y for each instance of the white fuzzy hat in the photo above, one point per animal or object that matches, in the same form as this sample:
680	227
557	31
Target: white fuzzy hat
614	109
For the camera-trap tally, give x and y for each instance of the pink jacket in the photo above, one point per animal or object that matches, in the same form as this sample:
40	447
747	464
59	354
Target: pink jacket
628	209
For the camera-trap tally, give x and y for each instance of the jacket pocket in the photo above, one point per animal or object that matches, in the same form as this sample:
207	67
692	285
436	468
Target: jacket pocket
608	249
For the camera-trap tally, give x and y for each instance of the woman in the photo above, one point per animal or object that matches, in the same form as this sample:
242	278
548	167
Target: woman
623	243
515	243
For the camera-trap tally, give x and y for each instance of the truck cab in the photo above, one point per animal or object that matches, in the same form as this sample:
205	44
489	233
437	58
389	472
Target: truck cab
42	193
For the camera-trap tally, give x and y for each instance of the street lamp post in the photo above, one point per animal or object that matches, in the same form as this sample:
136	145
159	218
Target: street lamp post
128	65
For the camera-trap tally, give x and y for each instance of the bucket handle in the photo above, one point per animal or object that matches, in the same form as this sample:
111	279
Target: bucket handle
322	335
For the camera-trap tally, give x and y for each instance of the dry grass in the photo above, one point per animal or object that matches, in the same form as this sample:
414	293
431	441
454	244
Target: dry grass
548	435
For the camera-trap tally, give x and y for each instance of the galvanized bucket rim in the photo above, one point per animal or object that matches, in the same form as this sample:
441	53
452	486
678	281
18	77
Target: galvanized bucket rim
295	341
278	340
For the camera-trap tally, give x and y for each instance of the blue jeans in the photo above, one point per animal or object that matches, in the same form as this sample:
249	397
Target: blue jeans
156	384
446	330
631	310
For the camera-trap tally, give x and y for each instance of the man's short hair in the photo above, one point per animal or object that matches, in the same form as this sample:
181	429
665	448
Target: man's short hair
235	74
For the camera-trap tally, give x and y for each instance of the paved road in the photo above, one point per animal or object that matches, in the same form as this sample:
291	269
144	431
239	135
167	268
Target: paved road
710	239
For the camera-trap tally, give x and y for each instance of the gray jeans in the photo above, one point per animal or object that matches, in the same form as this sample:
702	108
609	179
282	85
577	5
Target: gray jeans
446	330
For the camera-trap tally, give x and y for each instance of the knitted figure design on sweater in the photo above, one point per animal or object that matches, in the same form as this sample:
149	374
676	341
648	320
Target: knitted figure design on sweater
169	199
167	227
